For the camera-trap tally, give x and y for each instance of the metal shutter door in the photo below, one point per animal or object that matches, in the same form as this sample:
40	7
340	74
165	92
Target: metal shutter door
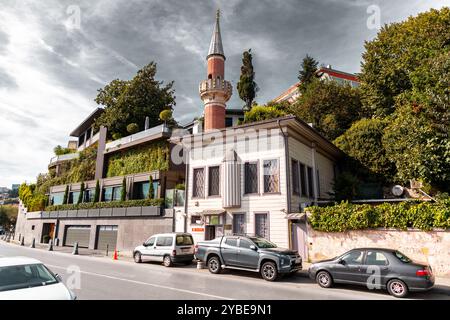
106	235
80	234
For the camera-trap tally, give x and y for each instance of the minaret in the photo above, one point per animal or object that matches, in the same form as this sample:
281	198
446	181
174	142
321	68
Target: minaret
215	91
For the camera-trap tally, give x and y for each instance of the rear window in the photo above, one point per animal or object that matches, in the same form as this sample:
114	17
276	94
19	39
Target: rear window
164	241
402	257
25	276
184	240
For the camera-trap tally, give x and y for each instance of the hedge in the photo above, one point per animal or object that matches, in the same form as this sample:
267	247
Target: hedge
109	204
346	216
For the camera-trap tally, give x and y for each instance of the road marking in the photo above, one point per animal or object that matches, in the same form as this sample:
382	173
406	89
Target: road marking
147	284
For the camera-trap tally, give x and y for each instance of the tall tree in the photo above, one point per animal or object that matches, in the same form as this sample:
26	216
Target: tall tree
329	106
247	86
405	79
132	100
307	72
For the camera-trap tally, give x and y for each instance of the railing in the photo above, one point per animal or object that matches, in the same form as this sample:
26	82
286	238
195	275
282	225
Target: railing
213	84
146	133
89	142
64	157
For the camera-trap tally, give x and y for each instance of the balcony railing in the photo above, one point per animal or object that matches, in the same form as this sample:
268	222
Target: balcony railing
213	84
137	136
64	157
89	141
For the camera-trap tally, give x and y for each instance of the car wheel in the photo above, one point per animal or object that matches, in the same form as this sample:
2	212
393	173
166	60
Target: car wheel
324	279
167	261
269	271
137	257
397	288
214	265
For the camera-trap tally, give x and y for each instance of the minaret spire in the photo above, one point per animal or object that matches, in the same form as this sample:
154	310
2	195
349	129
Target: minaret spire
216	48
215	91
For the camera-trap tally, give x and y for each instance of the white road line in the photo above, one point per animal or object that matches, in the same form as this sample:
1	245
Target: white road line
147	284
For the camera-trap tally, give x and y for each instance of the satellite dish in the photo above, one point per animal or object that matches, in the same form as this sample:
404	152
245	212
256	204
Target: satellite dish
397	190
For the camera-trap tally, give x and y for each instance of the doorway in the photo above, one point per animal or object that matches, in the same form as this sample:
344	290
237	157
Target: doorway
300	239
210	232
48	232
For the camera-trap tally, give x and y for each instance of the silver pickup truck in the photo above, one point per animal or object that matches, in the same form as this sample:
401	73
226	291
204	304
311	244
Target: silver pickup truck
248	253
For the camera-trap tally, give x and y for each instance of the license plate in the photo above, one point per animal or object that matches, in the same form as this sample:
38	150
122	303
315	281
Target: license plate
185	250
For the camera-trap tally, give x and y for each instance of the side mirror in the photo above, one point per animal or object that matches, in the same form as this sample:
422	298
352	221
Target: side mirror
342	262
253	247
144	244
58	277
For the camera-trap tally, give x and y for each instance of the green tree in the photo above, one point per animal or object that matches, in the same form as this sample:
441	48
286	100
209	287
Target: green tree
363	142
260	113
123	191
151	189
81	195
391	60
97	191
329	106
132	100
66	195
307	72
247	86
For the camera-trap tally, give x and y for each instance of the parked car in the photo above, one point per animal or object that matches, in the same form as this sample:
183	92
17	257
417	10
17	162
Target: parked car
375	267
248	253
24	278
168	248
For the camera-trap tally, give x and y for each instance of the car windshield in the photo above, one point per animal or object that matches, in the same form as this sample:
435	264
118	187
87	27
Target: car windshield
402	257
263	243
25	276
184	240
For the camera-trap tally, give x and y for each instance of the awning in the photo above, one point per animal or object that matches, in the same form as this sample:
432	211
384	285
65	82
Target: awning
295	216
212	212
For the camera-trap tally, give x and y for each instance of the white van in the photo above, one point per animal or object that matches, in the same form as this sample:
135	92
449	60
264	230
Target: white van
168	248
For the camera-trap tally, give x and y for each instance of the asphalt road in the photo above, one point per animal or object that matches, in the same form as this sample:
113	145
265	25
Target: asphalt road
103	278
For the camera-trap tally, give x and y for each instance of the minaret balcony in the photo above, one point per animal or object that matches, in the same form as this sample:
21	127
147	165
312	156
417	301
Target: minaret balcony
211	87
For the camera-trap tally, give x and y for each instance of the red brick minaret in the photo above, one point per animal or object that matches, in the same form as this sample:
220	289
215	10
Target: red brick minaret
215	91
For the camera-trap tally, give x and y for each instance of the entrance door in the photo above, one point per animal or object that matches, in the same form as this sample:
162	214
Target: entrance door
210	232
299	239
48	231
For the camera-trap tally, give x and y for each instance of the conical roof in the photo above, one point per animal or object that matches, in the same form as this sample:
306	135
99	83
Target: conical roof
216	48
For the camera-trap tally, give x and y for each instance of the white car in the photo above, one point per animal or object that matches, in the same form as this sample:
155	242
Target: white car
168	248
23	278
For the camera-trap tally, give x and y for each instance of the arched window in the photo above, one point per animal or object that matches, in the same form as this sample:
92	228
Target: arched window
210	76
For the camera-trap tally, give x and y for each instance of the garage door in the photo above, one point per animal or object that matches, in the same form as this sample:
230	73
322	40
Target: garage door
106	236
80	234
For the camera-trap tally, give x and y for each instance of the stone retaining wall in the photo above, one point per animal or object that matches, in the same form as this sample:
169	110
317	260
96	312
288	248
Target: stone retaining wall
432	247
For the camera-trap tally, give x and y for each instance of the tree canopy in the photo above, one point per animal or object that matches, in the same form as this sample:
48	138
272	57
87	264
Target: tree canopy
130	101
247	86
329	106
405	79
307	72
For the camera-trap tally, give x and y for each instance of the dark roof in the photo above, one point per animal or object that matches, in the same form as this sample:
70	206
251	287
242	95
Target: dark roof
83	126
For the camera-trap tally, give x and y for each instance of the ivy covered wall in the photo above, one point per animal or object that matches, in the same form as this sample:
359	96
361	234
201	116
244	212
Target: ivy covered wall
154	156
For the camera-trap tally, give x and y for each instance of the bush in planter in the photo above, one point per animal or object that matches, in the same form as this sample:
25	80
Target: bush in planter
109	204
346	216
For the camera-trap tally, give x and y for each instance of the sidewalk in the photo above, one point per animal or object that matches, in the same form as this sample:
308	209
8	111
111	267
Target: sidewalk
442	284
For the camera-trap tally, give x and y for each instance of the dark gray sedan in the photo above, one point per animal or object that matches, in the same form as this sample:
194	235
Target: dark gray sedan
375	268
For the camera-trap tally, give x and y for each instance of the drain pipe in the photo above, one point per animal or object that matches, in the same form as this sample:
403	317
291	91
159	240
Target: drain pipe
186	190
287	167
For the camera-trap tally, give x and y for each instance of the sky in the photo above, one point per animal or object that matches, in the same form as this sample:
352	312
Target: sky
56	54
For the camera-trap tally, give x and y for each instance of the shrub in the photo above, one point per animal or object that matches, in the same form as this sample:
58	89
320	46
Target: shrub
97	192
260	113
346	216
132	128
109	204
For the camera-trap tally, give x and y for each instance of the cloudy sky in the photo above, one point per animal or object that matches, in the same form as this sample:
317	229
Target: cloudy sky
54	55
